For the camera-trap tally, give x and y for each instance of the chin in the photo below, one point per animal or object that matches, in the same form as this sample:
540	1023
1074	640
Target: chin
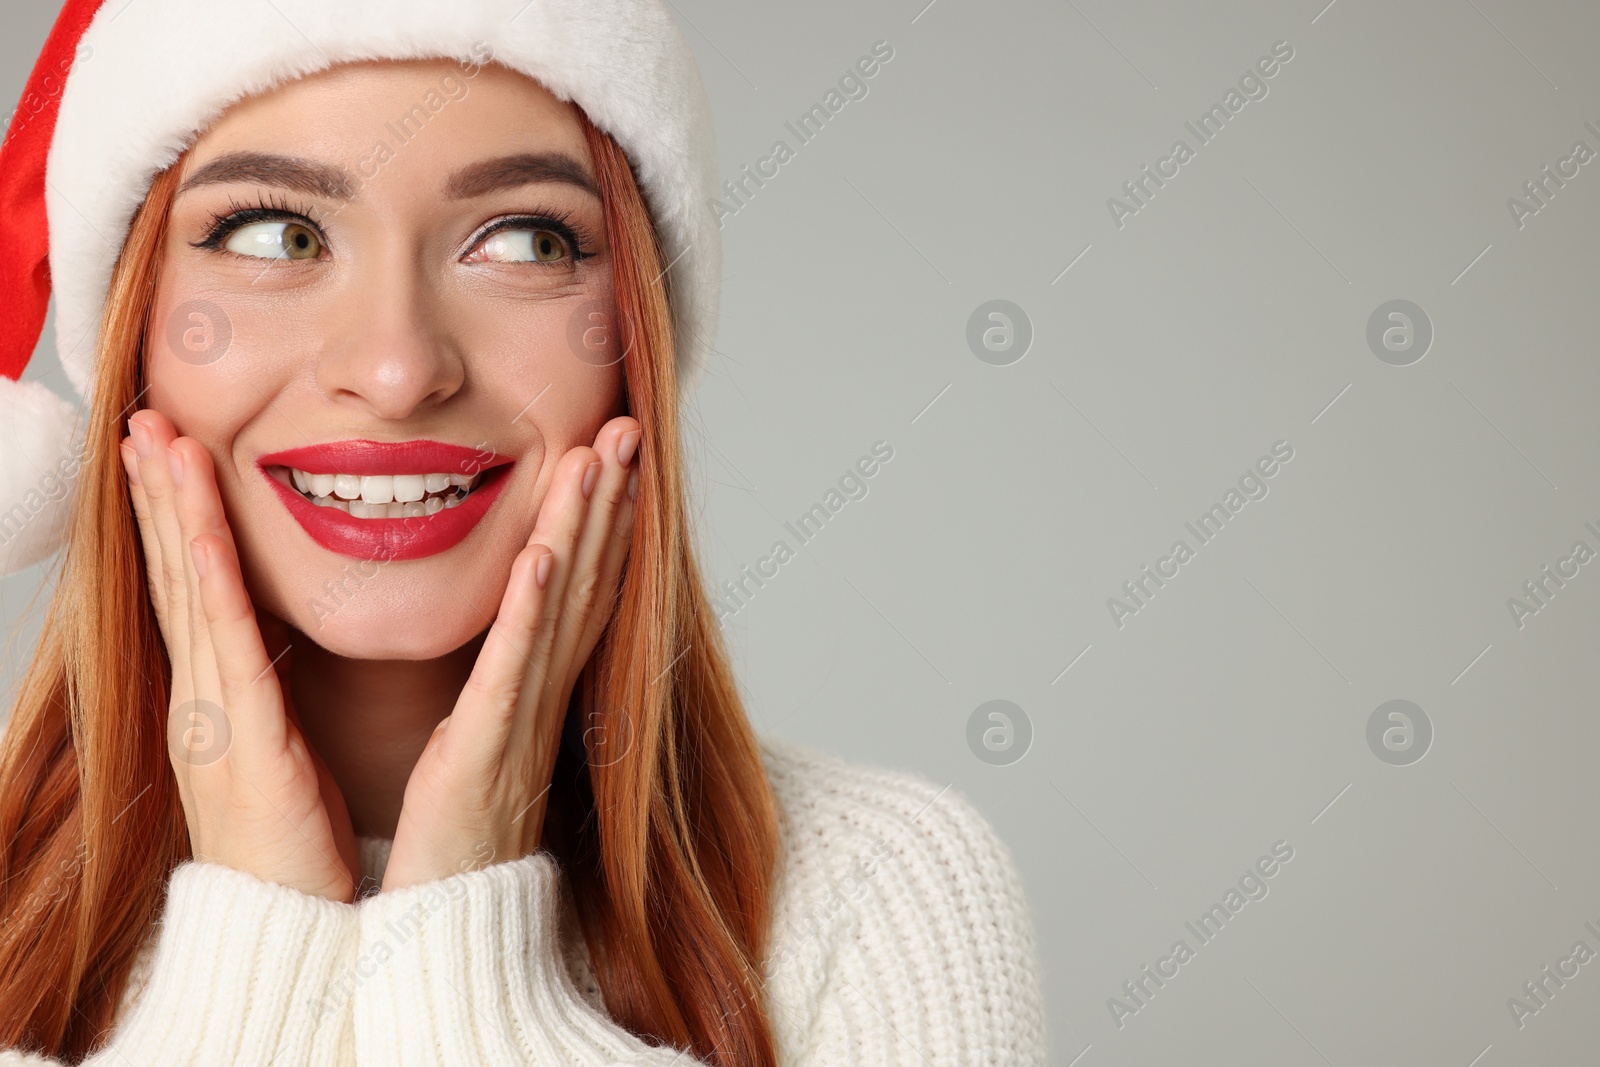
355	640
382	611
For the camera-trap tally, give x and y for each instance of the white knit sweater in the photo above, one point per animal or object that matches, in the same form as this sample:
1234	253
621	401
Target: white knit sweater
901	936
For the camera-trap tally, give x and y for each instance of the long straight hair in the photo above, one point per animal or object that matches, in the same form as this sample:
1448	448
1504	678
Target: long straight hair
661	817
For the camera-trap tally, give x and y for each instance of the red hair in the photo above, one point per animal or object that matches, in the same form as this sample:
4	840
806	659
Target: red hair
661	817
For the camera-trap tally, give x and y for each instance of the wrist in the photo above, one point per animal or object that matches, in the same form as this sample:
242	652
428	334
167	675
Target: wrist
410	865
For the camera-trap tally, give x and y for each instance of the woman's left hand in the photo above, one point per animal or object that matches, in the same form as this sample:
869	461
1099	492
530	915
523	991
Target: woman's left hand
478	792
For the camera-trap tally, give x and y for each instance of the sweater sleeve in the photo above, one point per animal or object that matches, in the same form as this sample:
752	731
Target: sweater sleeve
903	937
243	972
467	971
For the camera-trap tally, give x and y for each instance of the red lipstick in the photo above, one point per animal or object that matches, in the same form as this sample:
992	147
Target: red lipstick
389	539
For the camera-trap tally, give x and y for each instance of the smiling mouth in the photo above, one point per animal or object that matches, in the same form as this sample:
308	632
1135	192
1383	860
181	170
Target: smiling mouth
387	500
381	496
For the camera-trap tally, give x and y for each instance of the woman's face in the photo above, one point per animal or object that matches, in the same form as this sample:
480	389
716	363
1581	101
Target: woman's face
377	278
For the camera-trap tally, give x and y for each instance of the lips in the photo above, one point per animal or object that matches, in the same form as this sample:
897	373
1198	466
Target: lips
414	536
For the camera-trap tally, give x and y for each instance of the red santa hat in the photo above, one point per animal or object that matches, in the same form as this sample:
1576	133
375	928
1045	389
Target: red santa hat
123	87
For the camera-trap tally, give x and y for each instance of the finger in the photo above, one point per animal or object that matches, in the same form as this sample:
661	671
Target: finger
154	572
152	433
618	539
602	744
609	582
248	686
601	548
275	636
198	505
561	520
498	692
512	674
149	544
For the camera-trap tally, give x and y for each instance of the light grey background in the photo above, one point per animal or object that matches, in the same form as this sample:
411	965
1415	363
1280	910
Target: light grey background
1229	313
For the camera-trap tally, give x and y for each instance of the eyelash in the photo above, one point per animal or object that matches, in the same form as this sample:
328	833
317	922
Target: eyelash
267	208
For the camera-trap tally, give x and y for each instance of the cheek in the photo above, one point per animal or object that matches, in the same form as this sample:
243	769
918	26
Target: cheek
555	374
208	370
207	361
565	351
205	375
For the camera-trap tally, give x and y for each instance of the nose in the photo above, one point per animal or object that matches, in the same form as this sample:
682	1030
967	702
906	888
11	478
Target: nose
387	347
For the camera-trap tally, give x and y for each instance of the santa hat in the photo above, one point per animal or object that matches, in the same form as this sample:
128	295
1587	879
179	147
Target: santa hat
123	88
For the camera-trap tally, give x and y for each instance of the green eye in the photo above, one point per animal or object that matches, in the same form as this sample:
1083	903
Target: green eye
275	240
525	246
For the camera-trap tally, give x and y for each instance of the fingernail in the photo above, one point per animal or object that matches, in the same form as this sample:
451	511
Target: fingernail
141	439
130	462
633	485
626	445
175	464
198	554
541	570
589	476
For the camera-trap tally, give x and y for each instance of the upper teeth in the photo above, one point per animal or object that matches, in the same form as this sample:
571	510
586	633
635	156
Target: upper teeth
383	489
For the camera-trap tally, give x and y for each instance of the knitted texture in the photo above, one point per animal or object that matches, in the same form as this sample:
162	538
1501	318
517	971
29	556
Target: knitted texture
901	936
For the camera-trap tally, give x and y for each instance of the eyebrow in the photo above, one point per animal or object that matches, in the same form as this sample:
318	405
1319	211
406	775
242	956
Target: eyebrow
334	183
508	172
284	172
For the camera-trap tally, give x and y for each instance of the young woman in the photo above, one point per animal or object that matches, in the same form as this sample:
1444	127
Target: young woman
378	714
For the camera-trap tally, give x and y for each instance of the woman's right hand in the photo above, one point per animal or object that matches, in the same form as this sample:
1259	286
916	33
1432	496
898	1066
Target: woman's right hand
256	796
